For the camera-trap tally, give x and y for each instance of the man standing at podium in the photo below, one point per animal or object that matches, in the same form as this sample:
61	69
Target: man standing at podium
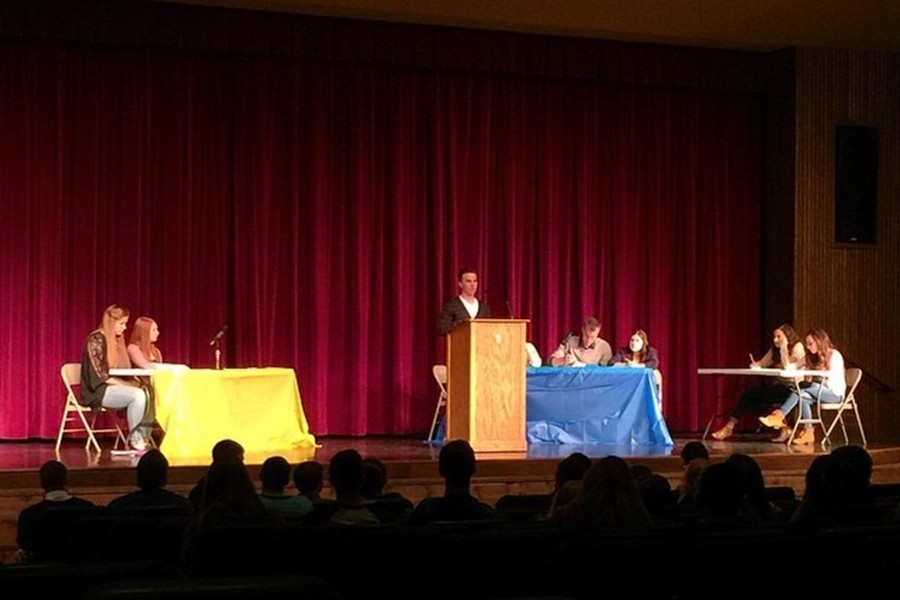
465	306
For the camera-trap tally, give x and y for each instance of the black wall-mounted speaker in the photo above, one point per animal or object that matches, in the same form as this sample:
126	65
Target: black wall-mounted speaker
856	185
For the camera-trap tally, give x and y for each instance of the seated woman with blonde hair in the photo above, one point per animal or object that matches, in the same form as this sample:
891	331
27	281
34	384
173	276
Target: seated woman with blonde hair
104	349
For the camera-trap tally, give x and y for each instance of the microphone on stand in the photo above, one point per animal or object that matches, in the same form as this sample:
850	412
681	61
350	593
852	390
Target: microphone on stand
219	334
509	308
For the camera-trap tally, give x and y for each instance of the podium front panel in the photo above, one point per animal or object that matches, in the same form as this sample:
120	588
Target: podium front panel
486	384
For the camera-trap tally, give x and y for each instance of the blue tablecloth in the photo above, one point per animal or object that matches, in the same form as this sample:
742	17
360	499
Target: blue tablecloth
598	405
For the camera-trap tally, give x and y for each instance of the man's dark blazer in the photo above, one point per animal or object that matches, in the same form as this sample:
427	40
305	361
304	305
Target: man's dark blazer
454	313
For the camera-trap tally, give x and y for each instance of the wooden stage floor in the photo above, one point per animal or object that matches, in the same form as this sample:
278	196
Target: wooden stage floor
29	455
412	457
411	463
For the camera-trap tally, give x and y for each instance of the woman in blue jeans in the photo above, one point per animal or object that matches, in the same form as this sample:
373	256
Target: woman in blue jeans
821	355
104	349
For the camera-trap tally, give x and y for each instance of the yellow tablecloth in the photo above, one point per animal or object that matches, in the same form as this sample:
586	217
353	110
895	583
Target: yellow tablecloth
259	408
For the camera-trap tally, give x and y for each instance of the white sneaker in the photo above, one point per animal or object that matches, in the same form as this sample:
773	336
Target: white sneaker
138	443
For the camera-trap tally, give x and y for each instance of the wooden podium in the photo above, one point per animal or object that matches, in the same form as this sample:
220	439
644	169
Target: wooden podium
486	384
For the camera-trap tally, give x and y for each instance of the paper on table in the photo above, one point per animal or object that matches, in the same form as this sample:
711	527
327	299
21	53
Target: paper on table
148	372
130	372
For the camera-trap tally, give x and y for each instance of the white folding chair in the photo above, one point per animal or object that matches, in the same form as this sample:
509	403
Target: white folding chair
74	419
848	403
440	375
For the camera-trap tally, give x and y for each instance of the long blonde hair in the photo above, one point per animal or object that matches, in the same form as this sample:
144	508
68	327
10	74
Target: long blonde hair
111	315
140	337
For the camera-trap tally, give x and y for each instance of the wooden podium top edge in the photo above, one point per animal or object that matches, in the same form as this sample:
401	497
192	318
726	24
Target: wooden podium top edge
492	320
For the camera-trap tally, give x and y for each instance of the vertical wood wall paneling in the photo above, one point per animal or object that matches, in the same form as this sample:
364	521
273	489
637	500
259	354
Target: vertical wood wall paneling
850	289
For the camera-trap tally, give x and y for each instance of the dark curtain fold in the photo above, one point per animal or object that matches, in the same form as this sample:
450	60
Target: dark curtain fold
323	208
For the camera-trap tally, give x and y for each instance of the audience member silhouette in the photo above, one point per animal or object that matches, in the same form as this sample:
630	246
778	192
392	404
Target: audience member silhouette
275	474
755	505
694	459
691	450
309	479
152	474
572	468
345	473
815	493
607	501
37	538
388	506
569	473
655	490
228	498
456	464
841	492
223	450
733	493
719	498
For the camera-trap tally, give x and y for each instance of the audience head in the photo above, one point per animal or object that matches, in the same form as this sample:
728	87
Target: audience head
639	471
228	483
572	468
275	474
54	476
816	479
690	483
719	495
309	477
456	463
751	486
152	470
656	492
374	477
564	495
849	472
693	471
228	451
748	476
345	472
609	474
692	450
608	498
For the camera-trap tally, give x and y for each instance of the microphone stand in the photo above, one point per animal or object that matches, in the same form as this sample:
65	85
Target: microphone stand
215	342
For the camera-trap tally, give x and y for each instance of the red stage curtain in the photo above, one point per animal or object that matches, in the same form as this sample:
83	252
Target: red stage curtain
322	209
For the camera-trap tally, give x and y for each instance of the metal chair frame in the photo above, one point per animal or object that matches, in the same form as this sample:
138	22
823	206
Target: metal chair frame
848	403
83	417
440	375
852	377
